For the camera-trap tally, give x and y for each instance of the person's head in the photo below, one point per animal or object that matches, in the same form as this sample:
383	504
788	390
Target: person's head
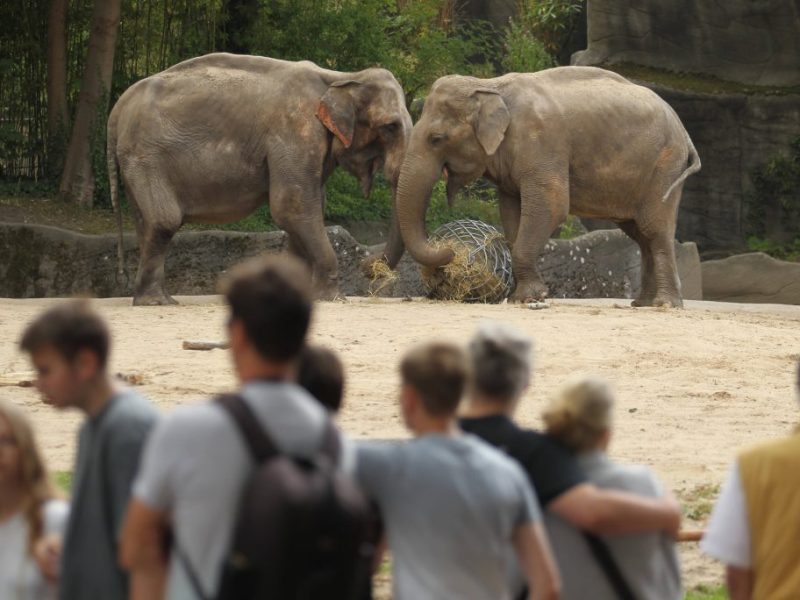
320	372
501	363
580	414
22	467
270	303
433	378
69	346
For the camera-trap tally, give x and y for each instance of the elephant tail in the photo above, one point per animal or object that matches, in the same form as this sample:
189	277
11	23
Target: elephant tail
113	183
693	167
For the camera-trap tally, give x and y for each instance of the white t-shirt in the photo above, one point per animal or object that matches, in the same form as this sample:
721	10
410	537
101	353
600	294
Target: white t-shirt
20	578
727	538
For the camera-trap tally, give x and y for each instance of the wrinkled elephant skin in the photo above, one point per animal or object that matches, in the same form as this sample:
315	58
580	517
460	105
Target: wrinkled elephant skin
211	139
576	140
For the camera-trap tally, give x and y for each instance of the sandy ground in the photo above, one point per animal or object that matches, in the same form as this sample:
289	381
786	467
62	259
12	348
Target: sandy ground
693	385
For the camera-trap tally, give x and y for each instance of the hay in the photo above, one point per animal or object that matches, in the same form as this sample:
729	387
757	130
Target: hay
480	270
381	277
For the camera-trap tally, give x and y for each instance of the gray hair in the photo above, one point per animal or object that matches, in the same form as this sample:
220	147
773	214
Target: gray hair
501	361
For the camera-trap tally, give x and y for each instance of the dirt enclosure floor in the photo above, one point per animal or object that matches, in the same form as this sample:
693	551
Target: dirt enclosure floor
693	385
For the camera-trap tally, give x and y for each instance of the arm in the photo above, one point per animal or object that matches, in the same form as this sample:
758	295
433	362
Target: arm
142	551
608	512
740	583
536	561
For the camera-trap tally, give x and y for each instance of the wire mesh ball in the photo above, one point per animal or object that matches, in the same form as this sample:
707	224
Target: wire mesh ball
481	269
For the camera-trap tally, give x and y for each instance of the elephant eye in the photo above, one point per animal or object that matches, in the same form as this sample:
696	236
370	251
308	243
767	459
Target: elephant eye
437	138
388	131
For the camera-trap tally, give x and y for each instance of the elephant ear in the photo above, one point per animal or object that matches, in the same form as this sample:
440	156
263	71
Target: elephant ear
492	120
337	112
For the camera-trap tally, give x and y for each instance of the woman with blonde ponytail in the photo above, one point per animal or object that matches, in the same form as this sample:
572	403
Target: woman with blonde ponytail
580	417
30	512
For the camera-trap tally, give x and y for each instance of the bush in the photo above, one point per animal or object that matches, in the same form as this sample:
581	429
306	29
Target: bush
775	198
523	52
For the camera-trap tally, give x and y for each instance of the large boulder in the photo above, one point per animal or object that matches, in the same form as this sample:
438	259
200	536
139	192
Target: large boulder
754	277
739	40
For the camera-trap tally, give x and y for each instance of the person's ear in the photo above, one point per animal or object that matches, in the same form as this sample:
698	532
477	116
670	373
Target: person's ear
86	364
237	337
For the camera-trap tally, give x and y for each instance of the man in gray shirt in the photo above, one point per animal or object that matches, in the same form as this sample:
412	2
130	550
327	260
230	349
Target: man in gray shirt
455	509
196	464
69	347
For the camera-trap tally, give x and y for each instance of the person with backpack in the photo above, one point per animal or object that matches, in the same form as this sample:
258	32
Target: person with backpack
457	511
248	483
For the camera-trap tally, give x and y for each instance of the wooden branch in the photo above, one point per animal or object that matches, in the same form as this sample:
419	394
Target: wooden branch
690	535
205	345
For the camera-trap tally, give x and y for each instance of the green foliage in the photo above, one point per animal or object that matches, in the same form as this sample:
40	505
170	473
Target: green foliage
524	53
549	21
571	228
776	193
789	251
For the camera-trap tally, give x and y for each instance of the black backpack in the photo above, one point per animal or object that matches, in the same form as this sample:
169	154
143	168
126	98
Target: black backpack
303	531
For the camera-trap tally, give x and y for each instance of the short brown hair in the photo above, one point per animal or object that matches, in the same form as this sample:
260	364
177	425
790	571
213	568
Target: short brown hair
438	372
69	327
321	373
272	298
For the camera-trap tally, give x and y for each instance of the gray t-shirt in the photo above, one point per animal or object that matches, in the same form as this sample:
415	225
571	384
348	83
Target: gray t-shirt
109	447
196	464
648	561
450	506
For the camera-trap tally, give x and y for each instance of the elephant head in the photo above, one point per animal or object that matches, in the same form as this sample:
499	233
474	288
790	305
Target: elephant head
371	126
463	124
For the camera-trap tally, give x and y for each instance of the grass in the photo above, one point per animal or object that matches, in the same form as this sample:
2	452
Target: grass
699	501
695	82
63	480
704	592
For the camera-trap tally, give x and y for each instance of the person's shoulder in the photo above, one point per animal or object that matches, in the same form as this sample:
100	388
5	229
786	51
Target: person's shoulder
490	454
131	408
636	478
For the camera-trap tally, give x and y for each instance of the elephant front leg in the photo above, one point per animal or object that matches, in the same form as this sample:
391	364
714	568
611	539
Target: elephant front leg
308	239
542	209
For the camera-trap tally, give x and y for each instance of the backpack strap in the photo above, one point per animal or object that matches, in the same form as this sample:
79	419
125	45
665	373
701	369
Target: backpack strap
258	442
331	442
602	555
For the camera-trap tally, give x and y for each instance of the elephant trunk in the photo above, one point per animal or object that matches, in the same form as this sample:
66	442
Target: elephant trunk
394	249
417	178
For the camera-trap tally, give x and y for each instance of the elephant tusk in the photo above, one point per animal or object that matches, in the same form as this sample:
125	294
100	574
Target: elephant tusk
445	173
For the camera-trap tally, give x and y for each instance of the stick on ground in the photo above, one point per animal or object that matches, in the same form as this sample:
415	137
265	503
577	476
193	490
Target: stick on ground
187	345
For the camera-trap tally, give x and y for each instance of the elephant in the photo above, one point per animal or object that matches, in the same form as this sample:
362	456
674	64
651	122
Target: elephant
212	138
577	140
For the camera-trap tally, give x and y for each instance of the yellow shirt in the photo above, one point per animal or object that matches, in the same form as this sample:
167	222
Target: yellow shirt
770	476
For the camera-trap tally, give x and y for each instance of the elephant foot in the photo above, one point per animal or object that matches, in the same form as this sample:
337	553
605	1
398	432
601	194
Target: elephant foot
160	298
530	292
660	300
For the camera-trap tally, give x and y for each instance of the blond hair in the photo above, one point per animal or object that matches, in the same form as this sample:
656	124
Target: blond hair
580	413
37	486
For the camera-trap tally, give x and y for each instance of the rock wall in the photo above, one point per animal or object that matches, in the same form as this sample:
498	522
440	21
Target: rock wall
749	41
733	134
754	277
39	261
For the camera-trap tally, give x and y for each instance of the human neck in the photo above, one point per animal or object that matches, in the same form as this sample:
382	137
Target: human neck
437	426
255	370
11	497
98	395
480	405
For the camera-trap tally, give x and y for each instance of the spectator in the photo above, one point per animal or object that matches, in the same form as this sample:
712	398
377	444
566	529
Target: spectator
501	364
580	418
69	346
455	509
196	463
30	512
755	524
320	372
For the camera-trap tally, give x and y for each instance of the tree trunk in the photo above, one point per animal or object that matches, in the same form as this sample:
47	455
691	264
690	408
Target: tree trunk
77	181
57	113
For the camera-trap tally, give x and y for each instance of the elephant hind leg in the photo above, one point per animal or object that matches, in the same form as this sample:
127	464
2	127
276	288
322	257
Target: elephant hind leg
647	289
158	218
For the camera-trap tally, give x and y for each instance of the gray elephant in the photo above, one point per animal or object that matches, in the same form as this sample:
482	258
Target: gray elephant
577	140
211	139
